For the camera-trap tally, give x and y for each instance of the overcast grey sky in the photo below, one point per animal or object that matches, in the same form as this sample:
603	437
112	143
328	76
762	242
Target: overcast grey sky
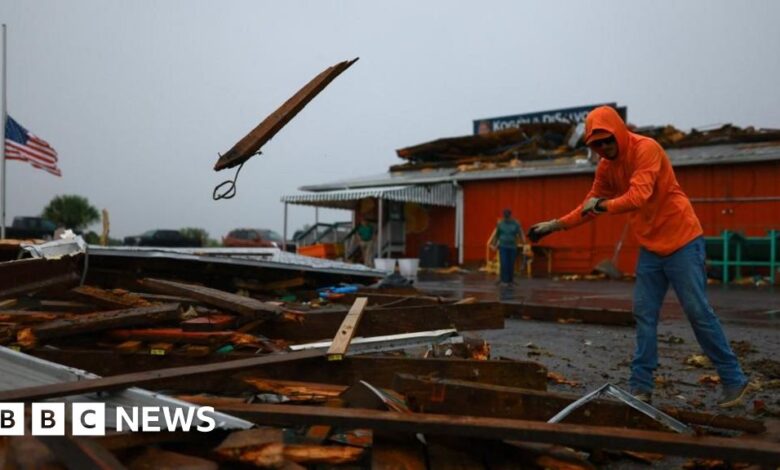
138	97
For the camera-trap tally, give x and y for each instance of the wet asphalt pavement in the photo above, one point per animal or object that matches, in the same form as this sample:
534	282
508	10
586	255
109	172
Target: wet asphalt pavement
593	355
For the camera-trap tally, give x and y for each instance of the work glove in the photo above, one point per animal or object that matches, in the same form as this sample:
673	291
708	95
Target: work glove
542	229
592	206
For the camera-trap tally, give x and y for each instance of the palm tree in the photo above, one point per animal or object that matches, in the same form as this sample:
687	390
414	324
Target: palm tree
71	211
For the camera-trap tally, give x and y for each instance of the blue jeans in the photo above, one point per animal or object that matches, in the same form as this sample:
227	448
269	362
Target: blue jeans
685	271
507	256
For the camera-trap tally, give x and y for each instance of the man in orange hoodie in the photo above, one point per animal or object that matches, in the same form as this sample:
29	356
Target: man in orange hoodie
634	176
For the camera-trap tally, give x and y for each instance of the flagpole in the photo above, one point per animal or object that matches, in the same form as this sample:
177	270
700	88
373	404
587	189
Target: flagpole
2	145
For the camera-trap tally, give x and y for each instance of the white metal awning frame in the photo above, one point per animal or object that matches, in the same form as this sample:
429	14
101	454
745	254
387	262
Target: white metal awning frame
436	195
448	194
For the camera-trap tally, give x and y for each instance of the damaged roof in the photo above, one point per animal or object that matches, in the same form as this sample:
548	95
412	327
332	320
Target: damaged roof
689	156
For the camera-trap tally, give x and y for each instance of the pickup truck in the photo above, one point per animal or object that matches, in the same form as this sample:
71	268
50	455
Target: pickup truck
161	238
31	227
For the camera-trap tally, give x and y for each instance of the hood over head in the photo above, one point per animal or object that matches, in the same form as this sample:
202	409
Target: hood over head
606	119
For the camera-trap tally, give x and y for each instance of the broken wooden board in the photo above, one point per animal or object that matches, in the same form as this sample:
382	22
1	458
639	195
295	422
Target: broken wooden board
28	316
113	300
559	313
215	322
174	335
151	378
298	391
235	303
265	448
92	322
456	397
313	326
252	142
376	370
338	348
735	450
30	275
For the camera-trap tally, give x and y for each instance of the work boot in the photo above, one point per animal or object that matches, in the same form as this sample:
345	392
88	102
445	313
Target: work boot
733	396
646	397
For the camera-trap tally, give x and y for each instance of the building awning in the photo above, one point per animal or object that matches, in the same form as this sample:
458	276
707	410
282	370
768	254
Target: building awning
436	195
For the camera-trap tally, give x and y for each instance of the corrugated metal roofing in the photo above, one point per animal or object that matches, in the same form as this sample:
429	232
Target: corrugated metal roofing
19	370
707	155
259	257
436	195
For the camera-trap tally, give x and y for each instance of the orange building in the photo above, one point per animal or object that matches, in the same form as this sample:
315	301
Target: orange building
734	187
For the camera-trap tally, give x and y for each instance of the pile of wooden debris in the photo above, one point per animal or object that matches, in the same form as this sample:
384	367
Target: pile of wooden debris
381	378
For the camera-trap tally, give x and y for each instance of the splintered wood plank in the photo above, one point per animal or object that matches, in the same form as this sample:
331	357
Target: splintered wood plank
735	450
232	302
298	391
91	322
150	378
115	300
263	448
27	316
376	321
128	347
216	322
313	454
347	330
174	335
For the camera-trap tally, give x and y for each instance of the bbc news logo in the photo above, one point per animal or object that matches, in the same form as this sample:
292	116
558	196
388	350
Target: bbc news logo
89	419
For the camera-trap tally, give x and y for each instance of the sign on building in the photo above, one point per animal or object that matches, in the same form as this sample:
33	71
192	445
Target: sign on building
565	115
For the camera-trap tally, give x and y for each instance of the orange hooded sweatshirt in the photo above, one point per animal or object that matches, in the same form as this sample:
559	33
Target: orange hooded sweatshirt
640	182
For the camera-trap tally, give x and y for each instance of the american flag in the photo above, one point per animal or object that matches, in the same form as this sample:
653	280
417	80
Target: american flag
21	144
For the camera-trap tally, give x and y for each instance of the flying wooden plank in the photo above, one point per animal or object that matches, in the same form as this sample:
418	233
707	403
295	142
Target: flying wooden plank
252	142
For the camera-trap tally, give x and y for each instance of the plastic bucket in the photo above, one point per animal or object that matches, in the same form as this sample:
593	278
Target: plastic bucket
385	264
408	266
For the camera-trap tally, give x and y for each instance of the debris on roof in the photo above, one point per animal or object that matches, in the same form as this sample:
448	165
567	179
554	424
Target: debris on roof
531	144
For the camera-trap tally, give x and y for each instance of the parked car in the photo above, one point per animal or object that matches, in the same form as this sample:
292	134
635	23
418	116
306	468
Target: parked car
31	227
253	237
161	238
